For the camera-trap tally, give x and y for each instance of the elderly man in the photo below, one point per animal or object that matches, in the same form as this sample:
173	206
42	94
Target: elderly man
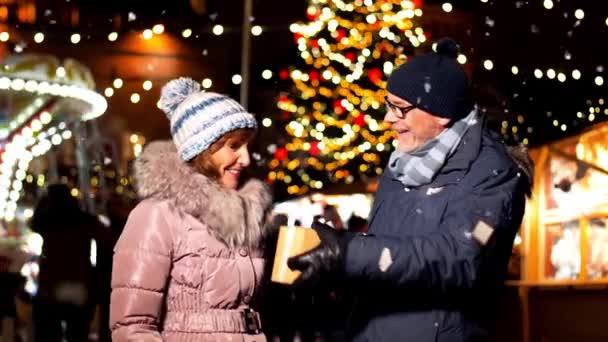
444	218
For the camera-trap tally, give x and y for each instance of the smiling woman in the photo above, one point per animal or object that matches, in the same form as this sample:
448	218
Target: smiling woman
194	242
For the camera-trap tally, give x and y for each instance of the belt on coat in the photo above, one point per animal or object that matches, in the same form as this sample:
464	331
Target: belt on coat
242	321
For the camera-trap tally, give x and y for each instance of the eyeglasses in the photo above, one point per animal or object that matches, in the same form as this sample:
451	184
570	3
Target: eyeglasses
400	112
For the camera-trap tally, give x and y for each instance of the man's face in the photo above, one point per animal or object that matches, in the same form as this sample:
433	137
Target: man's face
415	127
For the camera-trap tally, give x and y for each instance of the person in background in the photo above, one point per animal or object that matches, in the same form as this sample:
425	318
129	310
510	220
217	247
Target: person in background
118	208
65	290
330	214
190	261
446	212
357	224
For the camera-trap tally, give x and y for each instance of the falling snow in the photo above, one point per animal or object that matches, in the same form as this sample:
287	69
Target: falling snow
534	29
427	87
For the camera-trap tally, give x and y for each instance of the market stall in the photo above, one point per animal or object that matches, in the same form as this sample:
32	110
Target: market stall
563	250
565	234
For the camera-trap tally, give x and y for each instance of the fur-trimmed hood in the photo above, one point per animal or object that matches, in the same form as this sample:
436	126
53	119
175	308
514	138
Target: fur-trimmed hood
237	217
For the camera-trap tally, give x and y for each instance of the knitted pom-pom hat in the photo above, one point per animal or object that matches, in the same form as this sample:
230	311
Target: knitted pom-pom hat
199	118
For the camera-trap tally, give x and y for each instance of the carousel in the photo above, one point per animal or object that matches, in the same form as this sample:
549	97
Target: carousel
42	101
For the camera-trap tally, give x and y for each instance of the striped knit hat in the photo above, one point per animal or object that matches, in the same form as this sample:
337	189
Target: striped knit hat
199	118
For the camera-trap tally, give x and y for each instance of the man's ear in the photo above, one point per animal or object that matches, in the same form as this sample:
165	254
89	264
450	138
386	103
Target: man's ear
443	121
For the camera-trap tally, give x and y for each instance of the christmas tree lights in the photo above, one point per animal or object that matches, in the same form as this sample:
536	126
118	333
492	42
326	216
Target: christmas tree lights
332	117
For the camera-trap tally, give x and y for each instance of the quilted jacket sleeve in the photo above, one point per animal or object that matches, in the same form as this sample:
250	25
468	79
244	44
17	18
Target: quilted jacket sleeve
471	245
141	266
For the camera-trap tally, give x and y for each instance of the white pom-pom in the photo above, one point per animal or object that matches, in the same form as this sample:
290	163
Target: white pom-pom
175	92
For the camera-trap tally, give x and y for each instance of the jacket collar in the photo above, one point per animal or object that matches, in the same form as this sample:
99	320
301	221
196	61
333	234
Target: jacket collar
459	163
237	217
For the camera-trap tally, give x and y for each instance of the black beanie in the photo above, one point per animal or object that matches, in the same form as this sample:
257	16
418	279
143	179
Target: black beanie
434	82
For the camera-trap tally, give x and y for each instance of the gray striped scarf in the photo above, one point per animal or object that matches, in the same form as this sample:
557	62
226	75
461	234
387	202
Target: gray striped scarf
419	167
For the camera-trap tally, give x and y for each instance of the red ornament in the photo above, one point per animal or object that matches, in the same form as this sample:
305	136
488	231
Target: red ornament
283	74
314	148
338	107
313	75
350	56
340	34
296	37
280	153
285	115
313	13
359	120
314	43
417	3
374	75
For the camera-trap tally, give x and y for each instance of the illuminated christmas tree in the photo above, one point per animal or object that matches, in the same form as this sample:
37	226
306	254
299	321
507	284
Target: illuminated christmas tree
332	115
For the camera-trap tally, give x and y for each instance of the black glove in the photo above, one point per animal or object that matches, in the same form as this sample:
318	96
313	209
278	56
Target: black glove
324	263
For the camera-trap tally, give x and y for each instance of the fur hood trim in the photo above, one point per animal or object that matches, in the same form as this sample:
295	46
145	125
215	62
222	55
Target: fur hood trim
237	217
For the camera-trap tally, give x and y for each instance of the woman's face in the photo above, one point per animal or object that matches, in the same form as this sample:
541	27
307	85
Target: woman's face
230	160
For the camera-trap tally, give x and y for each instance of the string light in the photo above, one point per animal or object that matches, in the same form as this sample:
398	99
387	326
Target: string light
117	83
108	92
147	34
158	29
207	83
135	97
599	80
237	79
462	59
112	36
267	74
147	85
39	37
256	30
75	38
187	33
488	64
218	30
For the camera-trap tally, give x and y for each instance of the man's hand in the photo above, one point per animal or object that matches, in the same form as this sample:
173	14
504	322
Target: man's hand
324	263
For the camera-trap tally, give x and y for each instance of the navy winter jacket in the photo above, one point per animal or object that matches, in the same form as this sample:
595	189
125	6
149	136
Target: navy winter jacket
435	255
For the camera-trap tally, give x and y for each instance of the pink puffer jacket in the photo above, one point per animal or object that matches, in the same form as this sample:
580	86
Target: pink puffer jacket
188	262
